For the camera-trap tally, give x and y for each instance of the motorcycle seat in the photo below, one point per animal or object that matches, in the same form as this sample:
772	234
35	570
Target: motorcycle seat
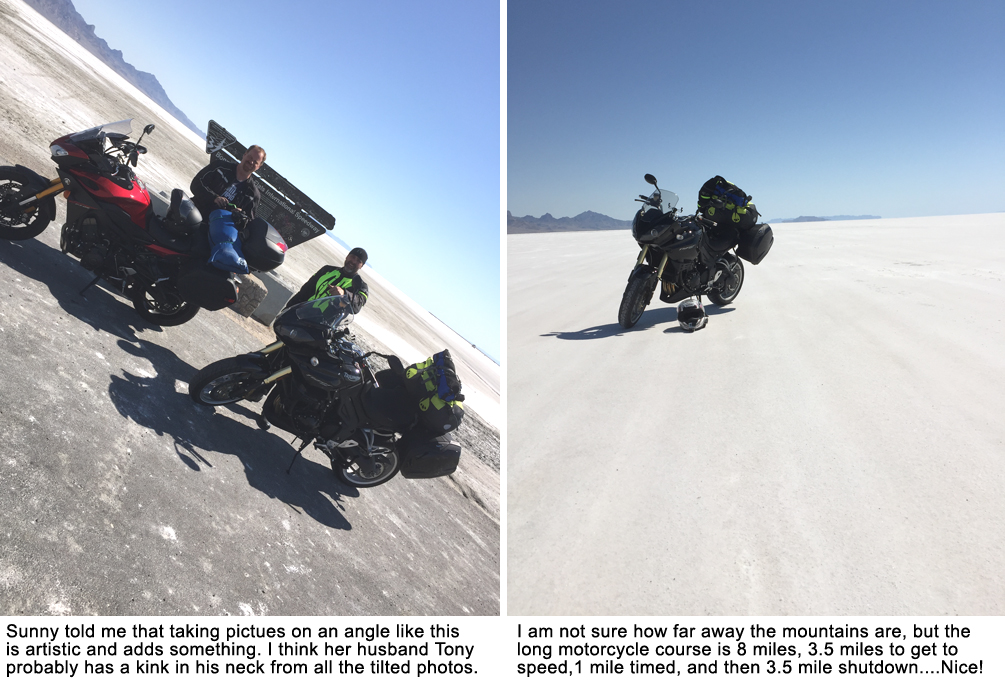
195	244
721	239
389	405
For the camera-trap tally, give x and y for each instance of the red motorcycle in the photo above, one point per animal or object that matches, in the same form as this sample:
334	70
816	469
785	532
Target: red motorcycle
160	263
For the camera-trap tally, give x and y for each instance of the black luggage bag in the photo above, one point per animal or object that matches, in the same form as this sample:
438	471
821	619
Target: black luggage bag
737	211
755	243
208	287
264	248
423	455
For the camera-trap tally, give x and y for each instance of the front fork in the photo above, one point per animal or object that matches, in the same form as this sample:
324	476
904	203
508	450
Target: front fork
259	391
271	348
642	257
54	186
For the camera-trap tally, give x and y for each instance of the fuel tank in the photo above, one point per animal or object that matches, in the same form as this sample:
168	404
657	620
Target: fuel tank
677	237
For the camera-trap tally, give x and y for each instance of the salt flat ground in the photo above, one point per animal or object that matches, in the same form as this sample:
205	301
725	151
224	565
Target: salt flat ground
831	443
119	496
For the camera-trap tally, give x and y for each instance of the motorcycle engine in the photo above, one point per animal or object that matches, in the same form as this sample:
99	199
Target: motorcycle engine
692	279
82	237
88	240
305	406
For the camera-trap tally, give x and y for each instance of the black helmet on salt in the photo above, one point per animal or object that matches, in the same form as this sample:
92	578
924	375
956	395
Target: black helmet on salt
691	315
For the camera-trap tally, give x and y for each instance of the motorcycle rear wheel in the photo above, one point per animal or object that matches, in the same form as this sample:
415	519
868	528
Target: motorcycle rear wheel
731	287
16	224
223	382
161	307
638	293
355	476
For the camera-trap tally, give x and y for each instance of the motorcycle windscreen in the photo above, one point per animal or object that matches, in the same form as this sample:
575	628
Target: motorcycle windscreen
309	323
118	129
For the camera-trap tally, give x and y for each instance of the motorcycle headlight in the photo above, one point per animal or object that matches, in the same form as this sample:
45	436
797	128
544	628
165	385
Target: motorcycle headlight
58	151
293	335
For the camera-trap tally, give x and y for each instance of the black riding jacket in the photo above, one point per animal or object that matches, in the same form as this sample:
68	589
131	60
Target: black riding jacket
330	275
220	179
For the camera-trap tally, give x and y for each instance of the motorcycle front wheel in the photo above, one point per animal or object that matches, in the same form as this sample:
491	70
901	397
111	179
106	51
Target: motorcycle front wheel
638	293
17	223
731	285
162	306
223	382
385	467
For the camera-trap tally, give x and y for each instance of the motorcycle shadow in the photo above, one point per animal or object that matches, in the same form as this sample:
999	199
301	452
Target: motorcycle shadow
64	277
650	318
155	403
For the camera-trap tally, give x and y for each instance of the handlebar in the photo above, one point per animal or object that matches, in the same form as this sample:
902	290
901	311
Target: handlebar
236	211
131	151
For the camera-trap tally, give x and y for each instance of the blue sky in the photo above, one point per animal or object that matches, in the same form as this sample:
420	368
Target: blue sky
385	113
814	108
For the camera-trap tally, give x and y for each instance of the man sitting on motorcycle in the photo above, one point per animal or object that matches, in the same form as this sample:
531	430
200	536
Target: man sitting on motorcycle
215	189
337	281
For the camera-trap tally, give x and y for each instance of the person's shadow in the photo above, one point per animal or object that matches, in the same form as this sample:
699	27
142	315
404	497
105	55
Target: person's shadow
198	430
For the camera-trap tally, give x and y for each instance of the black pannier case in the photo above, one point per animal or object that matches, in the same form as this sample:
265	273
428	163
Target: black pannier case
265	248
208	287
755	243
424	456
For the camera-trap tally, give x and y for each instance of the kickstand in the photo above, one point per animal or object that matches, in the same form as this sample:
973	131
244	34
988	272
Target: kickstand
92	283
297	454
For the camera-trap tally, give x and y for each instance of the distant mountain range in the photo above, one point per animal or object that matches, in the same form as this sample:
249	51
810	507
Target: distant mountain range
594	221
64	15
811	218
585	221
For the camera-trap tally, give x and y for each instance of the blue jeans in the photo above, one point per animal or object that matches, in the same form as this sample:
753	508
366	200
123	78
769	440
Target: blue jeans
225	243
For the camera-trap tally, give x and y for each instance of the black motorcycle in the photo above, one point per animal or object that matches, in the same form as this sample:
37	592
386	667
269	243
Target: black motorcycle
686	255
321	388
159	263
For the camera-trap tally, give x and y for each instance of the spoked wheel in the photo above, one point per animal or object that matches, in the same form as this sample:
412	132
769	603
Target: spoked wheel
638	293
732	282
163	305
223	382
361	475
19	223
